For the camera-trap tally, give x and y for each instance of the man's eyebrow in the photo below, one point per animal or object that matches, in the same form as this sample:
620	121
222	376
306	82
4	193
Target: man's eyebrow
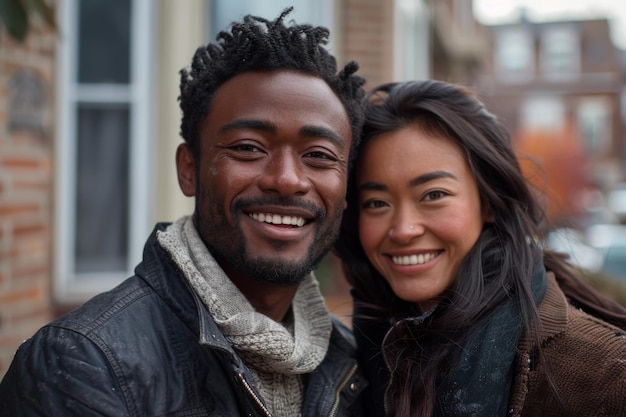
322	132
256	124
421	179
264	125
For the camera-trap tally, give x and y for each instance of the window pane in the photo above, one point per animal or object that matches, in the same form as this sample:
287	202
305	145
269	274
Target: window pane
560	54
514	54
102	188
594	123
543	113
224	12
104	41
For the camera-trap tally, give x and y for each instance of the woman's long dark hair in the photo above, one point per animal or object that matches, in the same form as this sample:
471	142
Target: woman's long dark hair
501	264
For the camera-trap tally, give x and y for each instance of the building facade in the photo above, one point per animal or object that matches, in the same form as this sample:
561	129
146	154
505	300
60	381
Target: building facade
561	76
89	125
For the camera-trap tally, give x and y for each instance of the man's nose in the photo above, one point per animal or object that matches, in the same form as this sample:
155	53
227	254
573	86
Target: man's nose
285	175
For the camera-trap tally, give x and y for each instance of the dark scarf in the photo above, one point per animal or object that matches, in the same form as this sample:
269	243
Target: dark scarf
480	384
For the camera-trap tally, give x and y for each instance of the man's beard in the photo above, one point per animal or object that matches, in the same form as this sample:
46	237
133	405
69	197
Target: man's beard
268	270
277	271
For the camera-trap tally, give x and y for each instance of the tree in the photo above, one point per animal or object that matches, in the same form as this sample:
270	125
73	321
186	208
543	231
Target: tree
16	16
554	162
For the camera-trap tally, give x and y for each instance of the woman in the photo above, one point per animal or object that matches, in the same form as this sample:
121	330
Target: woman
441	243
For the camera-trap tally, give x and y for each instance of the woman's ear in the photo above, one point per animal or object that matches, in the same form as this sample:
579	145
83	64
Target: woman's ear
487	216
185	167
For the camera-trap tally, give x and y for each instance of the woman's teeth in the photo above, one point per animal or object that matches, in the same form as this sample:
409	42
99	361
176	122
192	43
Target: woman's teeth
413	259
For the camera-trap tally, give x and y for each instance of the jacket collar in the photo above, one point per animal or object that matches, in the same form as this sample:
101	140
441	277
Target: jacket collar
553	313
164	277
162	274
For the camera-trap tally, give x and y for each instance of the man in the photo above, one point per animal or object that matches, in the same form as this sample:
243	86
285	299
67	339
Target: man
223	316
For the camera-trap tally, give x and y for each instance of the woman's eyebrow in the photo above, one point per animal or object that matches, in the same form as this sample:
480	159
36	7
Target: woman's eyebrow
430	176
421	179
372	186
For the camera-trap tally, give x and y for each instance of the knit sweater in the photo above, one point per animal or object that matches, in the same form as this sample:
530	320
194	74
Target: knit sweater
585	358
277	354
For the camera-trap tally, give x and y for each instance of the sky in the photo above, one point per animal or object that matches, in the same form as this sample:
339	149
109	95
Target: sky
502	11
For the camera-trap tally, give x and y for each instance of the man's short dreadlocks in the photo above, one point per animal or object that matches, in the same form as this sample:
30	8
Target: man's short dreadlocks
257	44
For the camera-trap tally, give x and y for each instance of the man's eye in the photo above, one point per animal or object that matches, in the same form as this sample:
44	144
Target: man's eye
245	148
320	155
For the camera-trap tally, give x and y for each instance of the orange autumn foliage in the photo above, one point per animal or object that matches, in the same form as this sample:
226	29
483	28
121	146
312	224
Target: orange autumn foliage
554	163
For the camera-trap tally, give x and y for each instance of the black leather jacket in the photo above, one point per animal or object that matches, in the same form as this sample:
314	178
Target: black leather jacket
150	348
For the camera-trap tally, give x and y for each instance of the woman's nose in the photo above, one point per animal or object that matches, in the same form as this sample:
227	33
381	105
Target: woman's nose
405	228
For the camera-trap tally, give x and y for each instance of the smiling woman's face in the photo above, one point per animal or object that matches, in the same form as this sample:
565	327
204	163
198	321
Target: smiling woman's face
419	212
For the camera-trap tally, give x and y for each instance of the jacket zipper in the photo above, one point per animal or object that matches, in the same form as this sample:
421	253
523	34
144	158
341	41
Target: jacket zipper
256	398
340	388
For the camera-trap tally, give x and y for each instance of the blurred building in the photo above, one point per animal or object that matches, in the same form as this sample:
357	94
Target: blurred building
89	124
561	77
459	43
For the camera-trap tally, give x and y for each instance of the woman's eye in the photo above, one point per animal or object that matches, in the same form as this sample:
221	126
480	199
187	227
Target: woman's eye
373	204
434	195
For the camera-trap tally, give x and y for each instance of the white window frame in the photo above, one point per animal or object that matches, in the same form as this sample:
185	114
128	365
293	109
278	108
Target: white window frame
411	40
543	113
552	41
597	111
517	41
322	14
69	286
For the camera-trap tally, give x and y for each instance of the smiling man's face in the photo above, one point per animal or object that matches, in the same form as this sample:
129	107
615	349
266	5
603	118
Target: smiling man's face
271	178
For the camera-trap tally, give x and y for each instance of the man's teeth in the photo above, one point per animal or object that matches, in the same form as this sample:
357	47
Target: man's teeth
413	259
278	219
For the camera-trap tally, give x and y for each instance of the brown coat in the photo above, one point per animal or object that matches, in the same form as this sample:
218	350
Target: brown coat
586	359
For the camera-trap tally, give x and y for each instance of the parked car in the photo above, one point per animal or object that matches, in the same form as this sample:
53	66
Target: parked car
611	240
572	242
616	201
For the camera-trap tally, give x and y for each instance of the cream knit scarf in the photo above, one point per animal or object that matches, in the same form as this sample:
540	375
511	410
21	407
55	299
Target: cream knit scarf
276	355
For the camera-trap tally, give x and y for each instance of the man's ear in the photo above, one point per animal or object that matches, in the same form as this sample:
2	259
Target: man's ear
185	167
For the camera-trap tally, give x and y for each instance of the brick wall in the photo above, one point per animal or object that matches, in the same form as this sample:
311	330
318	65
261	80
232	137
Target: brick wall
368	38
26	180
